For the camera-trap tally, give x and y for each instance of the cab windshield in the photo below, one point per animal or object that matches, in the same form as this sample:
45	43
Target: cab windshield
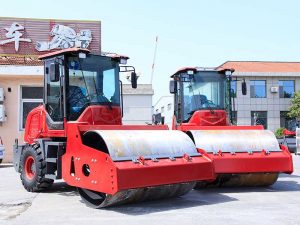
93	80
203	90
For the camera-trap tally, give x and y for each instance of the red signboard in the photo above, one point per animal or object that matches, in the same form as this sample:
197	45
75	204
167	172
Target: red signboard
19	36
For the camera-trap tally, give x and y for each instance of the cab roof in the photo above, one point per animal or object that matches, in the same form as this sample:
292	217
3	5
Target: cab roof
62	52
78	50
199	69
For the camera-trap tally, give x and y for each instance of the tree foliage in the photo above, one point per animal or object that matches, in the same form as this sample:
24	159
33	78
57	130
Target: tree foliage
294	109
279	132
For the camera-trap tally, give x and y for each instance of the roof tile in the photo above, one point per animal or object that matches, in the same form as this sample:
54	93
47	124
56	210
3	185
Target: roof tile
262	66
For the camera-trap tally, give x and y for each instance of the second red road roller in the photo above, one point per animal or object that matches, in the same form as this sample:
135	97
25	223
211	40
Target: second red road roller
242	155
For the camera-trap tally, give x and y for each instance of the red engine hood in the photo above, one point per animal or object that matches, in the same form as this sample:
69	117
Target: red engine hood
208	118
101	115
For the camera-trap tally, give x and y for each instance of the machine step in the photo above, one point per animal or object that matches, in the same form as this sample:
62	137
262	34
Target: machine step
50	176
51	160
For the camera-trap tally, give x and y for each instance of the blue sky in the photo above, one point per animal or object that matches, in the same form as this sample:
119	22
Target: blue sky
191	33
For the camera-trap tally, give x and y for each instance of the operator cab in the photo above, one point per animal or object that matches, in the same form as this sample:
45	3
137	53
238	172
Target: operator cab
201	95
75	80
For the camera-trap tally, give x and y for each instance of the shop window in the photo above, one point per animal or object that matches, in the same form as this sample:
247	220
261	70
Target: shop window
31	97
286	121
259	118
258	89
286	88
233	88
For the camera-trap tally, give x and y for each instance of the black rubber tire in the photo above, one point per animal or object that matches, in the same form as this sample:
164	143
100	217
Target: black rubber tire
38	182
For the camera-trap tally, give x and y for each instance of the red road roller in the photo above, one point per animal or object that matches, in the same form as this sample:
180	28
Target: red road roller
77	135
242	155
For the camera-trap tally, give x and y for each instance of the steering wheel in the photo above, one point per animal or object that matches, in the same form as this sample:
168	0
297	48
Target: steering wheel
53	107
50	109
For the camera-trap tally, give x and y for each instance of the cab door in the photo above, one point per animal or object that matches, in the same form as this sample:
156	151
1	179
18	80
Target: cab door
53	96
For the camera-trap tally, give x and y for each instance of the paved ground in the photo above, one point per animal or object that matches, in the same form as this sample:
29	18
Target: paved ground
279	204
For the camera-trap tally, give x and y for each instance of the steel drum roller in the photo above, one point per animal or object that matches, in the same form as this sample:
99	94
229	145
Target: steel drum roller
237	141
123	145
101	200
126	144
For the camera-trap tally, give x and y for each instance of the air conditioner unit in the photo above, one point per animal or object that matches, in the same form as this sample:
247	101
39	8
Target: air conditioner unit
1	94
2	113
274	89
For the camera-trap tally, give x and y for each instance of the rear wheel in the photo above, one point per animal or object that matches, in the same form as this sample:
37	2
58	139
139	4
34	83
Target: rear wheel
33	169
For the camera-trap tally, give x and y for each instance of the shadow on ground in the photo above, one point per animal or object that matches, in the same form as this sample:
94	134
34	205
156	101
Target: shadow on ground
6	165
206	196
192	199
285	186
279	186
62	188
288	175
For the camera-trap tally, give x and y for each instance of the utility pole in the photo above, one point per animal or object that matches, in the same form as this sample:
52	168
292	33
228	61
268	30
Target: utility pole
154	58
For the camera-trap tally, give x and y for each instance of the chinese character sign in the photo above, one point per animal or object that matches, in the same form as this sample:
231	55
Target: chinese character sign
65	37
14	35
25	36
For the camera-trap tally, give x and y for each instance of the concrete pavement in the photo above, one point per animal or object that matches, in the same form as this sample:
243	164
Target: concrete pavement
279	204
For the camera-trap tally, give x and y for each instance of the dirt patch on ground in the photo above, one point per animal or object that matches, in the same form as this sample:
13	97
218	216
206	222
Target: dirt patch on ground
10	211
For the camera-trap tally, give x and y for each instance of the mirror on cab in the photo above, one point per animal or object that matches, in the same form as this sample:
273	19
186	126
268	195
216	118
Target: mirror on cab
54	72
173	86
244	87
133	80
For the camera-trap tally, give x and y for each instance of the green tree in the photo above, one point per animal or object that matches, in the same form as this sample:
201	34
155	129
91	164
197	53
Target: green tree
279	132
294	109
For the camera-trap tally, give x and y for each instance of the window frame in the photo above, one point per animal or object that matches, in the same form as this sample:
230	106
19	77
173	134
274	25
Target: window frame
113	66
251	96
26	100
283	88
259	111
286	120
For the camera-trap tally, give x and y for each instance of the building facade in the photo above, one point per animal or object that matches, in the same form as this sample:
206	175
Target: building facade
22	40
163	110
22	74
270	87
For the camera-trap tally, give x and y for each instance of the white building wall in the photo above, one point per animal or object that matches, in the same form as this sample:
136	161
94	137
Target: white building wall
137	104
165	106
137	109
